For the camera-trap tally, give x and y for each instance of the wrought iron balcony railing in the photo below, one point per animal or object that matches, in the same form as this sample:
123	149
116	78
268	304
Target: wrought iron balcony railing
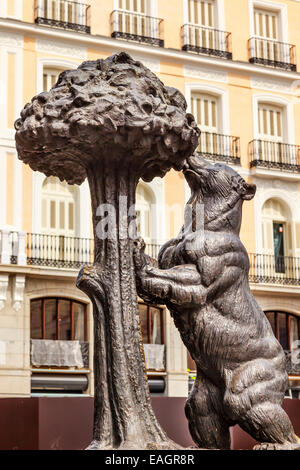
137	27
272	53
271	269
268	154
52	250
206	41
58	251
220	147
63	14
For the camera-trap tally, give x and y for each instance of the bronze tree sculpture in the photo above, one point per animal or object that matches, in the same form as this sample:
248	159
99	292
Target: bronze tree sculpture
112	121
202	276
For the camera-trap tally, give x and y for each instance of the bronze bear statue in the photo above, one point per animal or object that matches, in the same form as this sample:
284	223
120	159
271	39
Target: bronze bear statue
202	277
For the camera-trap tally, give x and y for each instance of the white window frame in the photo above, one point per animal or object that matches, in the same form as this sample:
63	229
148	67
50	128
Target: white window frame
279	8
288	134
18	9
292	209
223	103
219	12
51	64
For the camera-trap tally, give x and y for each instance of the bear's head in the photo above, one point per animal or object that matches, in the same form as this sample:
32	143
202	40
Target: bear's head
220	189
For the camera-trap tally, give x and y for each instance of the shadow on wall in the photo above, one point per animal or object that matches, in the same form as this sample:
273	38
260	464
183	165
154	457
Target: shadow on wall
66	423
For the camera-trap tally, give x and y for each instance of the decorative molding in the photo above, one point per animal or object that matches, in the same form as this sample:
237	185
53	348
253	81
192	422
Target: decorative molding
3	290
61	48
205	73
10	39
18	291
161	53
286	190
272	85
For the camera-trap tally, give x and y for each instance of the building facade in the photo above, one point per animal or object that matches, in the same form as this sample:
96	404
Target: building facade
236	62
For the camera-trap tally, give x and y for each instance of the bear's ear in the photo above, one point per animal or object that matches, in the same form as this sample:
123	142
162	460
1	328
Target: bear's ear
248	191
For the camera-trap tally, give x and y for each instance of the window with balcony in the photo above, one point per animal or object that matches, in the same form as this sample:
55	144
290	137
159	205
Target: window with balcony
275	263
63	14
200	33
212	143
270	150
133	21
266	46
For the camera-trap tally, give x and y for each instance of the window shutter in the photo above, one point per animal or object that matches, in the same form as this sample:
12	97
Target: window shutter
201	13
266	24
267	228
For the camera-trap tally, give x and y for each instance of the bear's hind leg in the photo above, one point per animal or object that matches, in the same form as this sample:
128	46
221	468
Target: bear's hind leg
203	410
253	400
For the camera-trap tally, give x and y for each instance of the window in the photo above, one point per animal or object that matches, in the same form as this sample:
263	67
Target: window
131	23
286	328
266	24
270	122
58	319
143	212
201	13
62	11
268	46
50	77
58	207
270	134
151	319
205	110
277	236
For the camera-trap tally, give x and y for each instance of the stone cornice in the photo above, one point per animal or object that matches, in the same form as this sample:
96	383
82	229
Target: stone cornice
115	45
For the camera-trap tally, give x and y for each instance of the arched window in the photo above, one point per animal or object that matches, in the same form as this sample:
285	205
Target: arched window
50	76
58	207
277	232
285	326
58	319
144	201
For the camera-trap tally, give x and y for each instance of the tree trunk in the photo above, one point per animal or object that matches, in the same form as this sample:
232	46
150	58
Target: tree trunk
123	416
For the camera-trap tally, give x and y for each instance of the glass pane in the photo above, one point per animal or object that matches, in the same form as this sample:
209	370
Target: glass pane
51	319
65	319
271	317
62	215
71	216
52	214
143	311
36	330
44	213
78	321
156	336
45	82
282	325
294	332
